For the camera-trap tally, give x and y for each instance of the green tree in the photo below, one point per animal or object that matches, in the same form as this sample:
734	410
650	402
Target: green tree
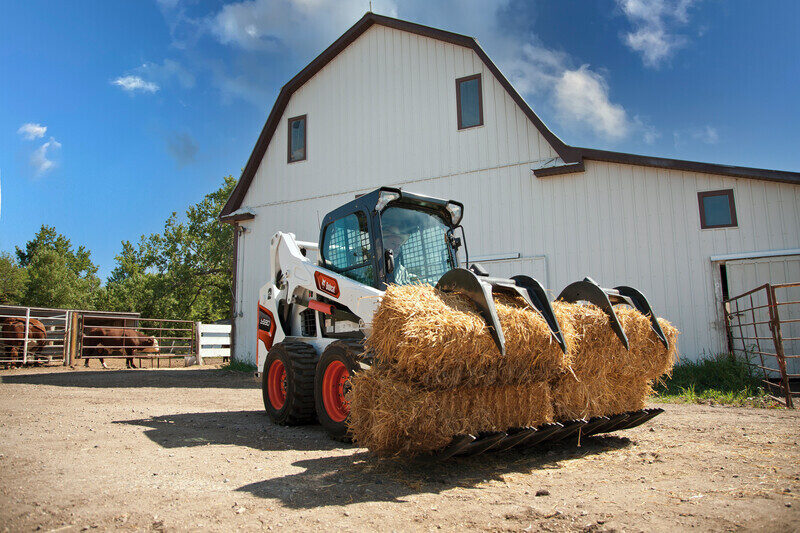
58	275
184	272
13	279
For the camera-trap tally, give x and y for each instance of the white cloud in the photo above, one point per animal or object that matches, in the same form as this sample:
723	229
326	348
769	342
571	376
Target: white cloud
706	135
166	71
132	84
306	25
40	158
31	131
581	96
653	23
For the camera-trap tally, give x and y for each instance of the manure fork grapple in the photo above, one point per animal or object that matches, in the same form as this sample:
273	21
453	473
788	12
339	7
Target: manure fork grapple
313	315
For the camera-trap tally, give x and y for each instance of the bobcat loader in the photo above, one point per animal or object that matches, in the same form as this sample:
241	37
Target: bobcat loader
313	315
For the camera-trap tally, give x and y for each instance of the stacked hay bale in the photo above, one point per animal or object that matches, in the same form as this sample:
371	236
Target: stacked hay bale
438	373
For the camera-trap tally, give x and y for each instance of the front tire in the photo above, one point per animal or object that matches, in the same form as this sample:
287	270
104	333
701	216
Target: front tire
339	361
288	383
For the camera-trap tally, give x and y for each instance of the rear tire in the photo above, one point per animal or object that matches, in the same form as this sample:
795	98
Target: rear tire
339	361
288	383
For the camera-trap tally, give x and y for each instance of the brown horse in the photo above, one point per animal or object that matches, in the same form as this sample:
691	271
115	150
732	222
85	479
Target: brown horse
12	331
106	341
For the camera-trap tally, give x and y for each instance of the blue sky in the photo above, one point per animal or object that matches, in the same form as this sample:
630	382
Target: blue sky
115	114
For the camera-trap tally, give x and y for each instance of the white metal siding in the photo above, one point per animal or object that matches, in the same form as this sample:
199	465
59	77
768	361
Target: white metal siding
383	113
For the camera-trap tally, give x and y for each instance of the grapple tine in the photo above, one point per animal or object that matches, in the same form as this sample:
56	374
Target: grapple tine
480	293
543	433
589	291
537	299
570	428
483	443
457	445
643	306
514	436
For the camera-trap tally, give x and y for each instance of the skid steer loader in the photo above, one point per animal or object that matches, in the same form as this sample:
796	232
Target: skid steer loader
313	315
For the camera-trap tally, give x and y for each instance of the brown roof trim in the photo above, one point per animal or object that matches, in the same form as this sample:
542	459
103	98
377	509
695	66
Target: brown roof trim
235	200
569	168
690	166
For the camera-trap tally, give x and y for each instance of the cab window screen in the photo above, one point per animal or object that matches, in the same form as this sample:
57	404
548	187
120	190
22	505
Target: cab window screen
347	248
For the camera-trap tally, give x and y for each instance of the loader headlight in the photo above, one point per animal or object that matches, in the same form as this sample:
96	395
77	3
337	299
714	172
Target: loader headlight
456	212
384	198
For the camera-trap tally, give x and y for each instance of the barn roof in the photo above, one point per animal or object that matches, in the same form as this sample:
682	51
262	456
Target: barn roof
572	156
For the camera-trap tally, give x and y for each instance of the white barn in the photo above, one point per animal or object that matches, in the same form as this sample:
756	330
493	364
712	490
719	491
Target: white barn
379	107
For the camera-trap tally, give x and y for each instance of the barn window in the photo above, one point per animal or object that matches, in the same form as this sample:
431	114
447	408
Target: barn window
717	209
297	139
469	102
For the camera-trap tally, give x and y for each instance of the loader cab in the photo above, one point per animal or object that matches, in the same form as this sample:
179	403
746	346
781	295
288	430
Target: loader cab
389	236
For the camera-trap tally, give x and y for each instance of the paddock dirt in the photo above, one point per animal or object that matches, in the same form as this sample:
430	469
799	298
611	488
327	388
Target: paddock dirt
189	449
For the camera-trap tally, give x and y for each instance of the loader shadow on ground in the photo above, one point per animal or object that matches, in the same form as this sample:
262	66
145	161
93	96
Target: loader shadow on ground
121	379
361	477
252	429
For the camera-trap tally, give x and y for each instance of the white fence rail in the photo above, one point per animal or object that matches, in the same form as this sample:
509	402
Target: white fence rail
213	340
33	335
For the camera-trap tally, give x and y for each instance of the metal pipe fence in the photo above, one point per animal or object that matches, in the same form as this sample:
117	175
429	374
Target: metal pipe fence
121	337
763	326
33	335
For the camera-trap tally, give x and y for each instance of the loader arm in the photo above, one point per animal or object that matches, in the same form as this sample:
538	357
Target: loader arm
294	272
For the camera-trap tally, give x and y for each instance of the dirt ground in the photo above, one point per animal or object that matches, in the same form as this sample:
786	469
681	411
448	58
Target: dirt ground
188	449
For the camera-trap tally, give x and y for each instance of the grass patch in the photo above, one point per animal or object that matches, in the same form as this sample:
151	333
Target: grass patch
722	379
238	366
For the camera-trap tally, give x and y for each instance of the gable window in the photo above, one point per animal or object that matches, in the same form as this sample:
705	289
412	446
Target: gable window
717	209
469	102
297	139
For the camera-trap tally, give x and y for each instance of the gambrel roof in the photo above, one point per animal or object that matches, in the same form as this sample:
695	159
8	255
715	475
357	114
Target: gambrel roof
571	156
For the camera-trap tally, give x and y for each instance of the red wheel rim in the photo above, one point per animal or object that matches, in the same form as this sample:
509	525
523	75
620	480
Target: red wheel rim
276	384
333	388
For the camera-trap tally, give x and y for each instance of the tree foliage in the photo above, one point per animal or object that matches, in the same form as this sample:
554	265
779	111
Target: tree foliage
183	272
57	274
13	279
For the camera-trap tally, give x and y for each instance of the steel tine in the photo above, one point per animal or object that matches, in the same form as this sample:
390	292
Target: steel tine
643	306
515	436
483	443
543	433
458	443
570	428
613	421
539	301
646	415
589	291
480	293
592	424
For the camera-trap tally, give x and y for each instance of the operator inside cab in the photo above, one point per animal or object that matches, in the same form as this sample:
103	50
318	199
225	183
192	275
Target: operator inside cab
417	242
394	237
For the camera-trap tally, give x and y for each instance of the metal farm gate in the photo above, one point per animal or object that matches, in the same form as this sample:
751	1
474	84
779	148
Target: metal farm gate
109	336
33	335
763	326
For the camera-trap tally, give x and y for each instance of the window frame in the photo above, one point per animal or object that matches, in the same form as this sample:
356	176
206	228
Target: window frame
459	81
701	195
304	118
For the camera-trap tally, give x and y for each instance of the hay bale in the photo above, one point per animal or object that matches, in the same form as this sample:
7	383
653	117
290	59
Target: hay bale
438	341
607	379
391	417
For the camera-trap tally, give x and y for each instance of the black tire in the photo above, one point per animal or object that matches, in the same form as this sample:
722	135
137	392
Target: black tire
348	352
299	361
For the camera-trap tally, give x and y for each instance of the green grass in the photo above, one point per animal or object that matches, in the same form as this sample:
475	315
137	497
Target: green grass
238	366
722	379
